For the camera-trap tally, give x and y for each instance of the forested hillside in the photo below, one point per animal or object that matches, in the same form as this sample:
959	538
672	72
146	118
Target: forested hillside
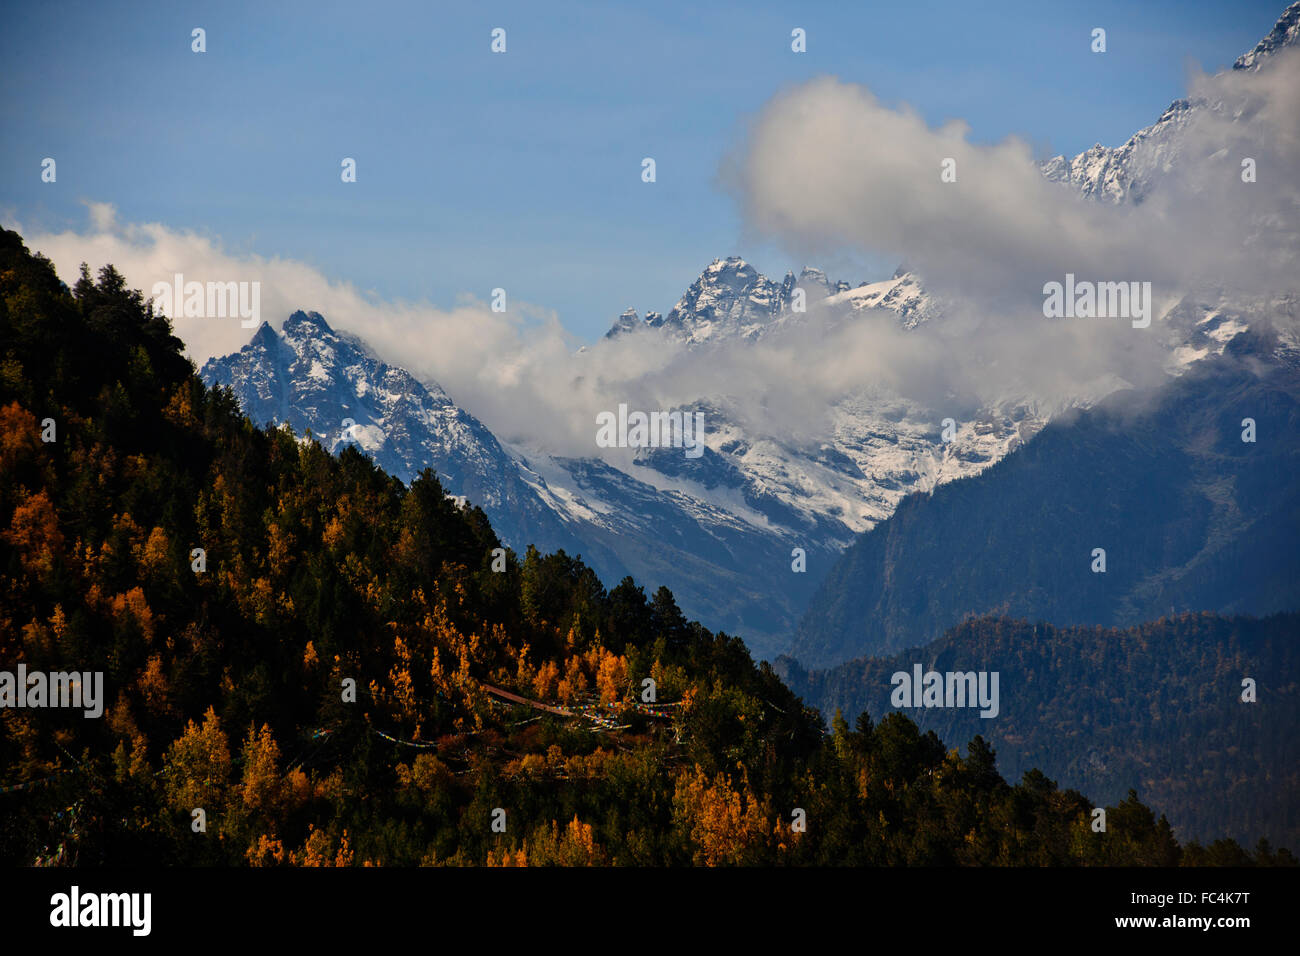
1158	706
499	716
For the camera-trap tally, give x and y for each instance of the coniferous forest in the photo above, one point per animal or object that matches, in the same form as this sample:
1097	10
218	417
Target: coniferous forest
1158	706
326	663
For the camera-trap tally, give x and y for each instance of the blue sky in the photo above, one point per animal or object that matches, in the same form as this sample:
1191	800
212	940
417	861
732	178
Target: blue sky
522	170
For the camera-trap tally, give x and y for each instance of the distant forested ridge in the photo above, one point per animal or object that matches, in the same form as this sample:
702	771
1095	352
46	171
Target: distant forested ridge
230	582
1157	706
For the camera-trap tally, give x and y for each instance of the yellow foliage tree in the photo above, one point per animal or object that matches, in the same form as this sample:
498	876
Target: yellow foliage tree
154	688
261	787
34	533
611	677
726	825
197	767
154	555
132	608
20	437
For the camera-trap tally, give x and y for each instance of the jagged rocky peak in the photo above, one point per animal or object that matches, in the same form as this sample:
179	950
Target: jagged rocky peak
308	334
629	321
729	293
264	337
732	269
724	279
330	384
1127	173
732	299
811	275
312	321
1286	32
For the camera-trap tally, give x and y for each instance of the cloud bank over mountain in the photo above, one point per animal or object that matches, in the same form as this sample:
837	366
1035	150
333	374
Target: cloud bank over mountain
826	166
520	371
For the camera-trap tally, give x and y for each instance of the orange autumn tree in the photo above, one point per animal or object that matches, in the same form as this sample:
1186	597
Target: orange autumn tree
197	767
611	676
34	533
261	786
727	826
20	438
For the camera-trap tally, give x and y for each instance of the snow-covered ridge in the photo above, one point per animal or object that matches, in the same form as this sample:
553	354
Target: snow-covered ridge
1125	173
732	300
1284	33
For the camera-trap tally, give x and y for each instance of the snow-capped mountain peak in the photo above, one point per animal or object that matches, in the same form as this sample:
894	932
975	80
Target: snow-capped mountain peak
730	297
733	300
1126	173
331	385
1284	33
